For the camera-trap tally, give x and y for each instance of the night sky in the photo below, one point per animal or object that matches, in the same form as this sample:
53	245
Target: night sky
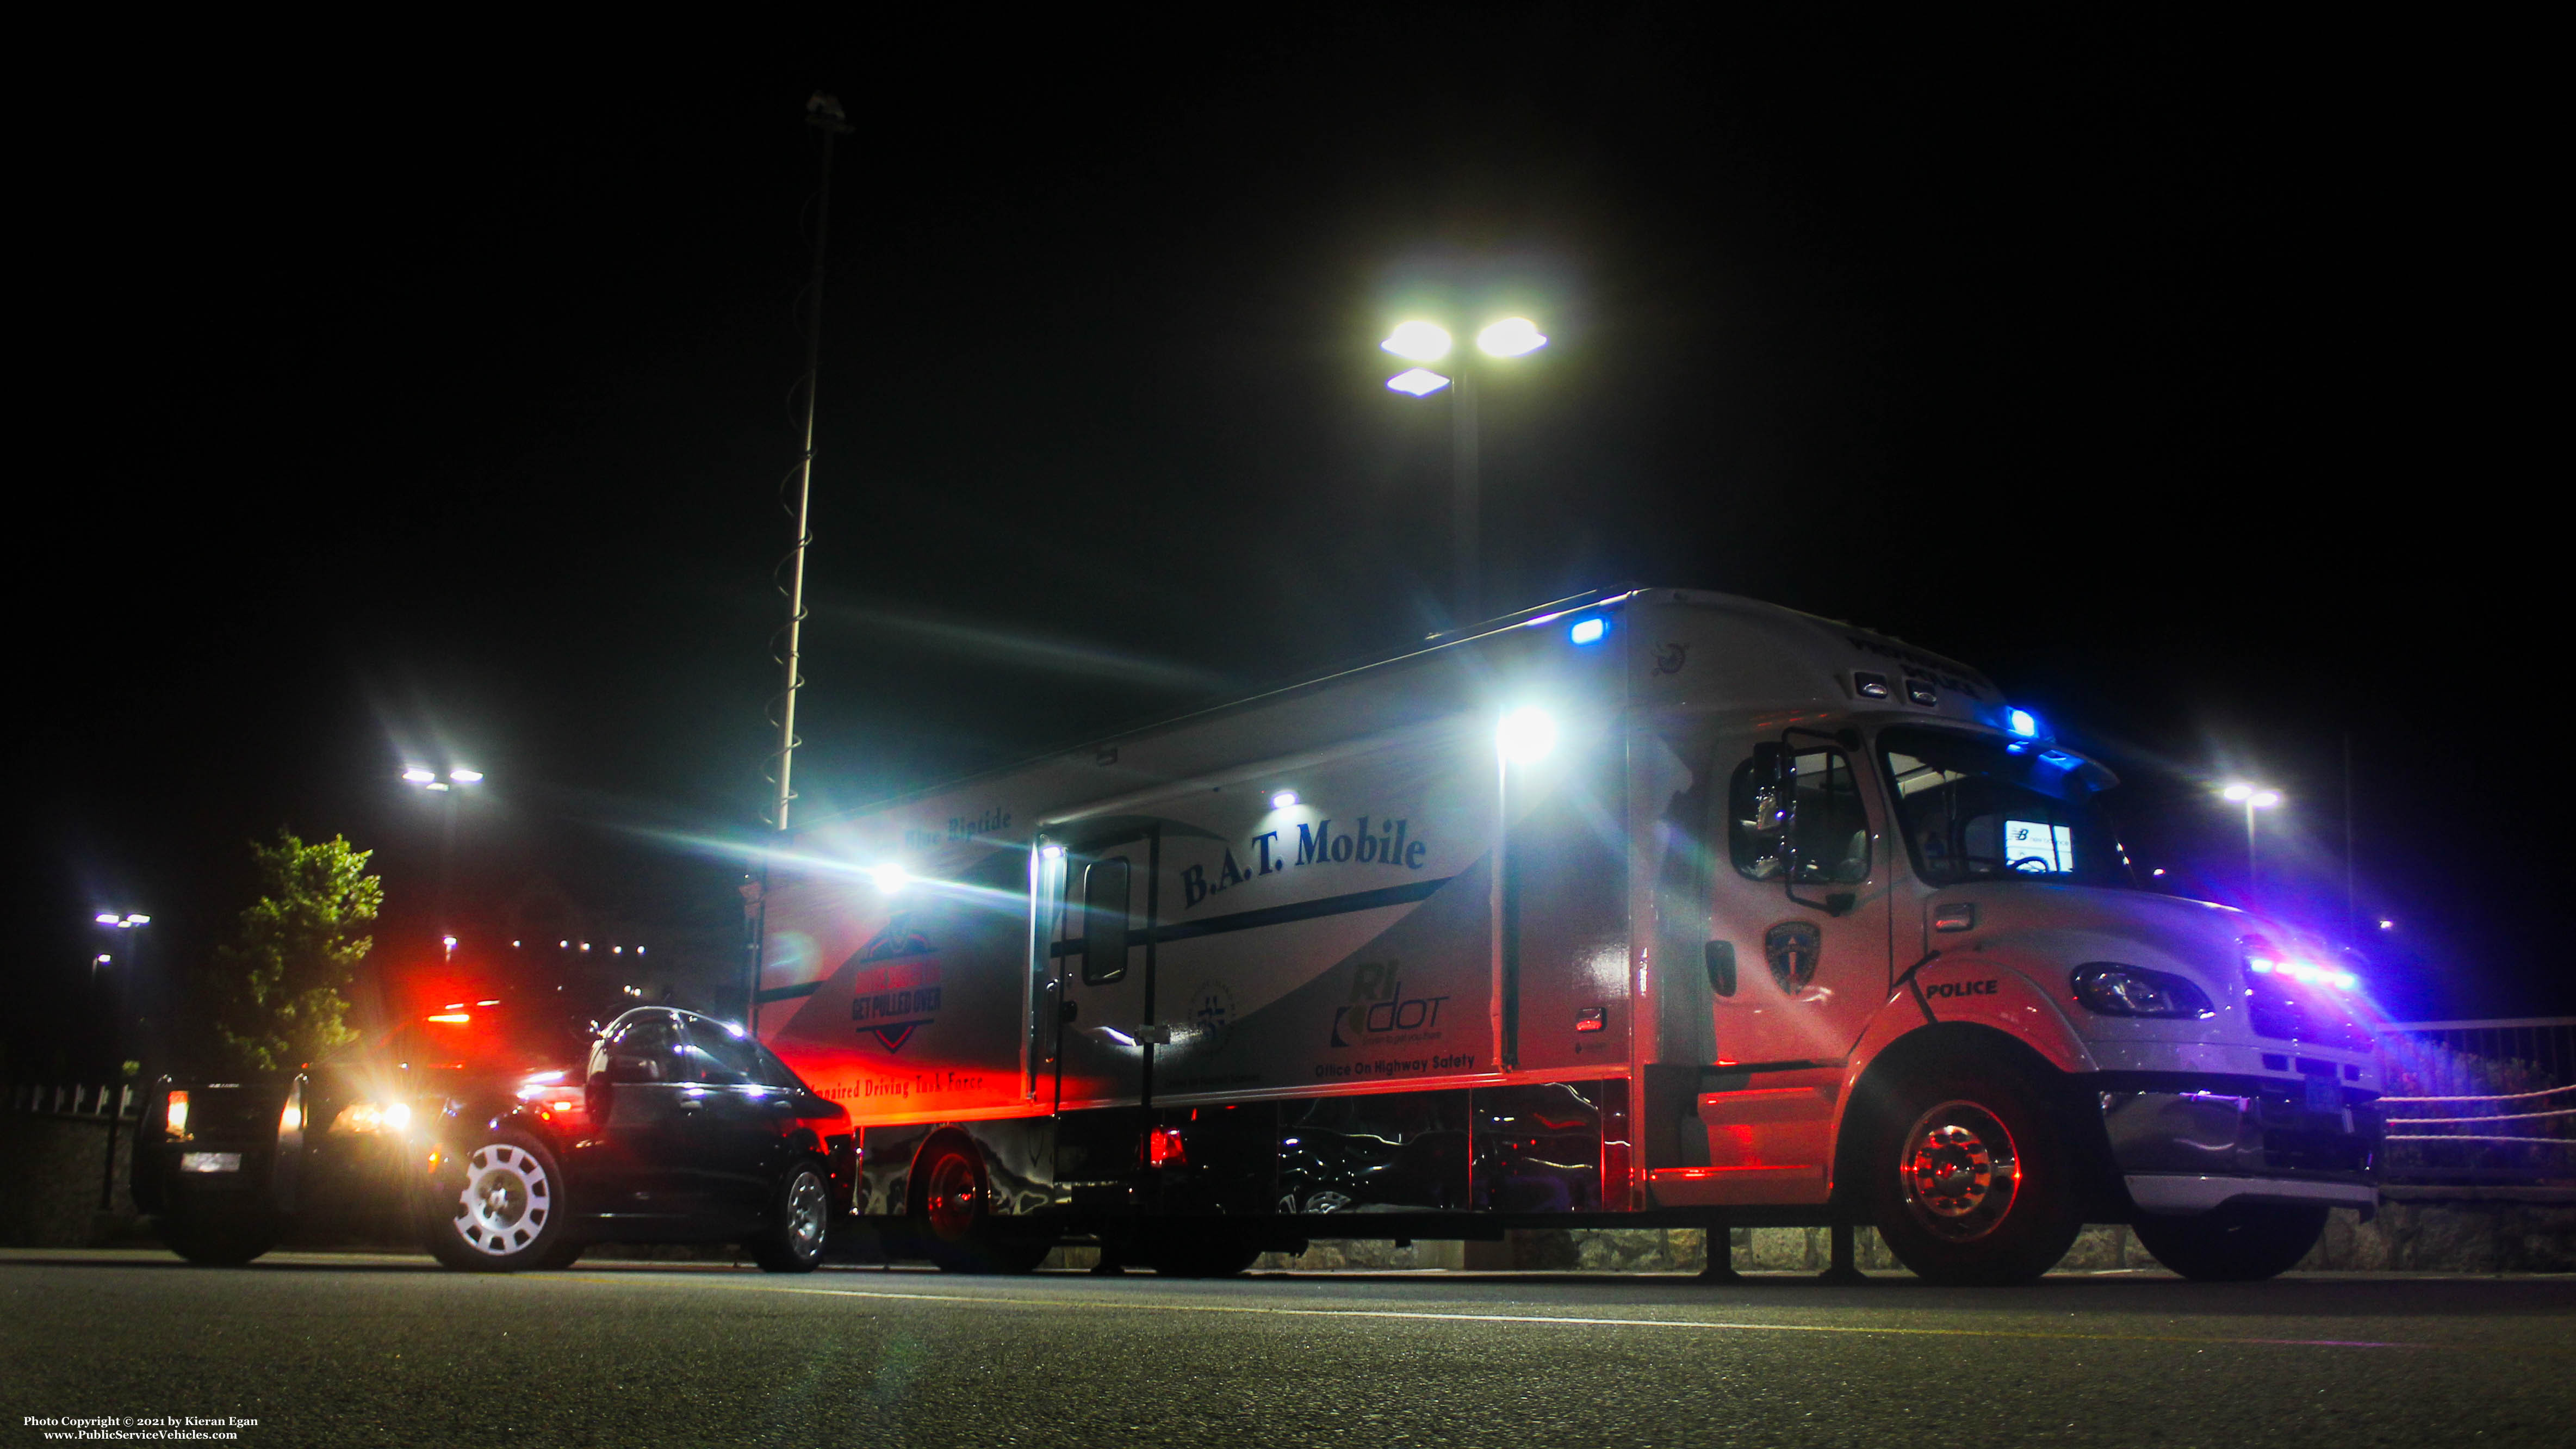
432	406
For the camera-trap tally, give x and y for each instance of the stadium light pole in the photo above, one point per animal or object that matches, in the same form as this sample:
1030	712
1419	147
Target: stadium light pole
448	787
1425	342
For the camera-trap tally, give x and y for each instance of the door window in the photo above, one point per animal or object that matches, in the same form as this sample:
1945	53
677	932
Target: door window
720	1058
646	1050
1827	831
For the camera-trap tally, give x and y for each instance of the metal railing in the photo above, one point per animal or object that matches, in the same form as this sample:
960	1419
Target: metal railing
2481	1101
74	1099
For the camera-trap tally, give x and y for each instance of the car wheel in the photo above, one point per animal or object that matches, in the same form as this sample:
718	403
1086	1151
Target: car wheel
2237	1243
800	1224
499	1207
218	1242
1969	1179
954	1229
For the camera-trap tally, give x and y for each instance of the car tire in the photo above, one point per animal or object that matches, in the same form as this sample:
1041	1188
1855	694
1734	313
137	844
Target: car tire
953	1227
218	1242
500	1206
2236	1243
800	1223
1968	1176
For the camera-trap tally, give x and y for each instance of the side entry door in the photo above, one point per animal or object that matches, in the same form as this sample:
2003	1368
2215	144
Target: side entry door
1103	960
1799	919
736	1138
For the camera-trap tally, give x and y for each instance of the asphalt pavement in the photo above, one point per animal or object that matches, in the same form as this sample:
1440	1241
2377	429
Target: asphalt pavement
352	1350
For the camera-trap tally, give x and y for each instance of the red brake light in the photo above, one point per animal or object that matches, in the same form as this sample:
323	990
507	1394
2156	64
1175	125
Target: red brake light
1163	1148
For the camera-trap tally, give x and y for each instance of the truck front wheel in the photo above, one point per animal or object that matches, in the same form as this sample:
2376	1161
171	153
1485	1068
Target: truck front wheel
1969	1179
2237	1243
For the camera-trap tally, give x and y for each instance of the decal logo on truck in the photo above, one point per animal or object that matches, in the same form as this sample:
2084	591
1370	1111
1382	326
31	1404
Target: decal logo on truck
1380	1013
892	1001
1792	948
1388	842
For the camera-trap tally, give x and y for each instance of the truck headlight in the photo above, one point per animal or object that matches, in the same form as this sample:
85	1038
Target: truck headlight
2112	989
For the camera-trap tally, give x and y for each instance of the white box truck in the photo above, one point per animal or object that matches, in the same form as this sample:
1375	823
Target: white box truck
1671	908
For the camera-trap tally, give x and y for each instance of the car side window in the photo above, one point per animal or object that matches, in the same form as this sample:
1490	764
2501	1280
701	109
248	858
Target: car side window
645	1050
721	1058
778	1073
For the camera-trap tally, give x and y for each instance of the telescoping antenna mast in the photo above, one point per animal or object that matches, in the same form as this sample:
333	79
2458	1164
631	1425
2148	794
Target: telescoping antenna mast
824	114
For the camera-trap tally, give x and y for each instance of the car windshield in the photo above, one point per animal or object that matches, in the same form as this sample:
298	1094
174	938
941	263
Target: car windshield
1976	807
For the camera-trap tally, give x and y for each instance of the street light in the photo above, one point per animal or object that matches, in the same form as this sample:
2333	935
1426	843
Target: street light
428	780
1421	341
2253	798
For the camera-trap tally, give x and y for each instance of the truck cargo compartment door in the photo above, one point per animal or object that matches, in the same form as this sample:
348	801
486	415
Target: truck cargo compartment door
1104	976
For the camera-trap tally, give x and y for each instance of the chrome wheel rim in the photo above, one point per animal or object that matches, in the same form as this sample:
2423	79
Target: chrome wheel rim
952	1198
807	1207
505	1202
1959	1171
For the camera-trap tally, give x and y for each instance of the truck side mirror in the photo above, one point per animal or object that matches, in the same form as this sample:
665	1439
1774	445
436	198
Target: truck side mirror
1104	921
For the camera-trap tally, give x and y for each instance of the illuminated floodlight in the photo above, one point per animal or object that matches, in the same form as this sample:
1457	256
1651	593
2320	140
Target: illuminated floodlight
448	941
138	919
1281	800
1588	631
1419	341
2239	792
419	774
102	959
1527	734
1051	852
889	877
435	785
1511	337
2388	925
452	1018
109	918
2023	723
465	777
1419	381
2264	799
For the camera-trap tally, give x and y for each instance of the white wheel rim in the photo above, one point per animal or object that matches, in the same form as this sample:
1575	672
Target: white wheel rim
505	1202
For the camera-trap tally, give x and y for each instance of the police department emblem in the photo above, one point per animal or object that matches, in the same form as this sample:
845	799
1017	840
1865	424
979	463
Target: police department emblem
1792	948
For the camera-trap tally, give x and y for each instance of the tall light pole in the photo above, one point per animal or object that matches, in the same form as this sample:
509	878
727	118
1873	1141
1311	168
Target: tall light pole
2253	798
125	995
448	788
1418	341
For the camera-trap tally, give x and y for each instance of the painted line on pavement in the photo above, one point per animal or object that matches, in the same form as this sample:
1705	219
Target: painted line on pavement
1552	1319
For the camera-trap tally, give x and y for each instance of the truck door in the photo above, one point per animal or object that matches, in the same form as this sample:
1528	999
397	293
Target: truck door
1103	961
1803	899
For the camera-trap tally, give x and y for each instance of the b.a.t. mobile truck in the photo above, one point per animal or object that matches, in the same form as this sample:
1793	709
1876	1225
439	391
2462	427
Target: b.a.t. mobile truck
1674	908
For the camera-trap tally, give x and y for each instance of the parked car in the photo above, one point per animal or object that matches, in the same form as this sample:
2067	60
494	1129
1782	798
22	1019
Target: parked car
506	1146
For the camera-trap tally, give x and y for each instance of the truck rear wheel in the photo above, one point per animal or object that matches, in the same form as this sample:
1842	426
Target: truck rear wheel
218	1242
952	1225
2237	1243
1968	1177
499	1207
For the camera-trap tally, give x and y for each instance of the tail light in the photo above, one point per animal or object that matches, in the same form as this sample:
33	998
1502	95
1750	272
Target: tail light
175	1118
1164	1148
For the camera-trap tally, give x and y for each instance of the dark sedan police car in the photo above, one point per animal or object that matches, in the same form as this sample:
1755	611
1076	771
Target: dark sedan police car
505	1147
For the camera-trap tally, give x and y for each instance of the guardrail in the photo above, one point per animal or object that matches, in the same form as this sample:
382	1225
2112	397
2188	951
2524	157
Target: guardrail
2481	1102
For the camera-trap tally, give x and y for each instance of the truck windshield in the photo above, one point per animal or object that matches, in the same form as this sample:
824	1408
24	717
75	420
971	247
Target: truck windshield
1975	808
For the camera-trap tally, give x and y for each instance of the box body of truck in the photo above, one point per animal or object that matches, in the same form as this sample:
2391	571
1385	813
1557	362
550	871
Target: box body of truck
1603	917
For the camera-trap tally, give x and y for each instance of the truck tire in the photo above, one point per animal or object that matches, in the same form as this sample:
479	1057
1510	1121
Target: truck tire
218	1242
2237	1243
800	1223
499	1207
1968	1177
952	1226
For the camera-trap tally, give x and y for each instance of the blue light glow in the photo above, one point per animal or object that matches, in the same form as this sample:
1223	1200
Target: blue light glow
1589	631
2023	723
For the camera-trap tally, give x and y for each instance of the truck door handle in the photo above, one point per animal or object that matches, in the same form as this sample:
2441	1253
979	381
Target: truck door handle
690	1102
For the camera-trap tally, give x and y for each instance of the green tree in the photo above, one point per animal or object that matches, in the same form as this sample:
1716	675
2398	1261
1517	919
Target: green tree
279	987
